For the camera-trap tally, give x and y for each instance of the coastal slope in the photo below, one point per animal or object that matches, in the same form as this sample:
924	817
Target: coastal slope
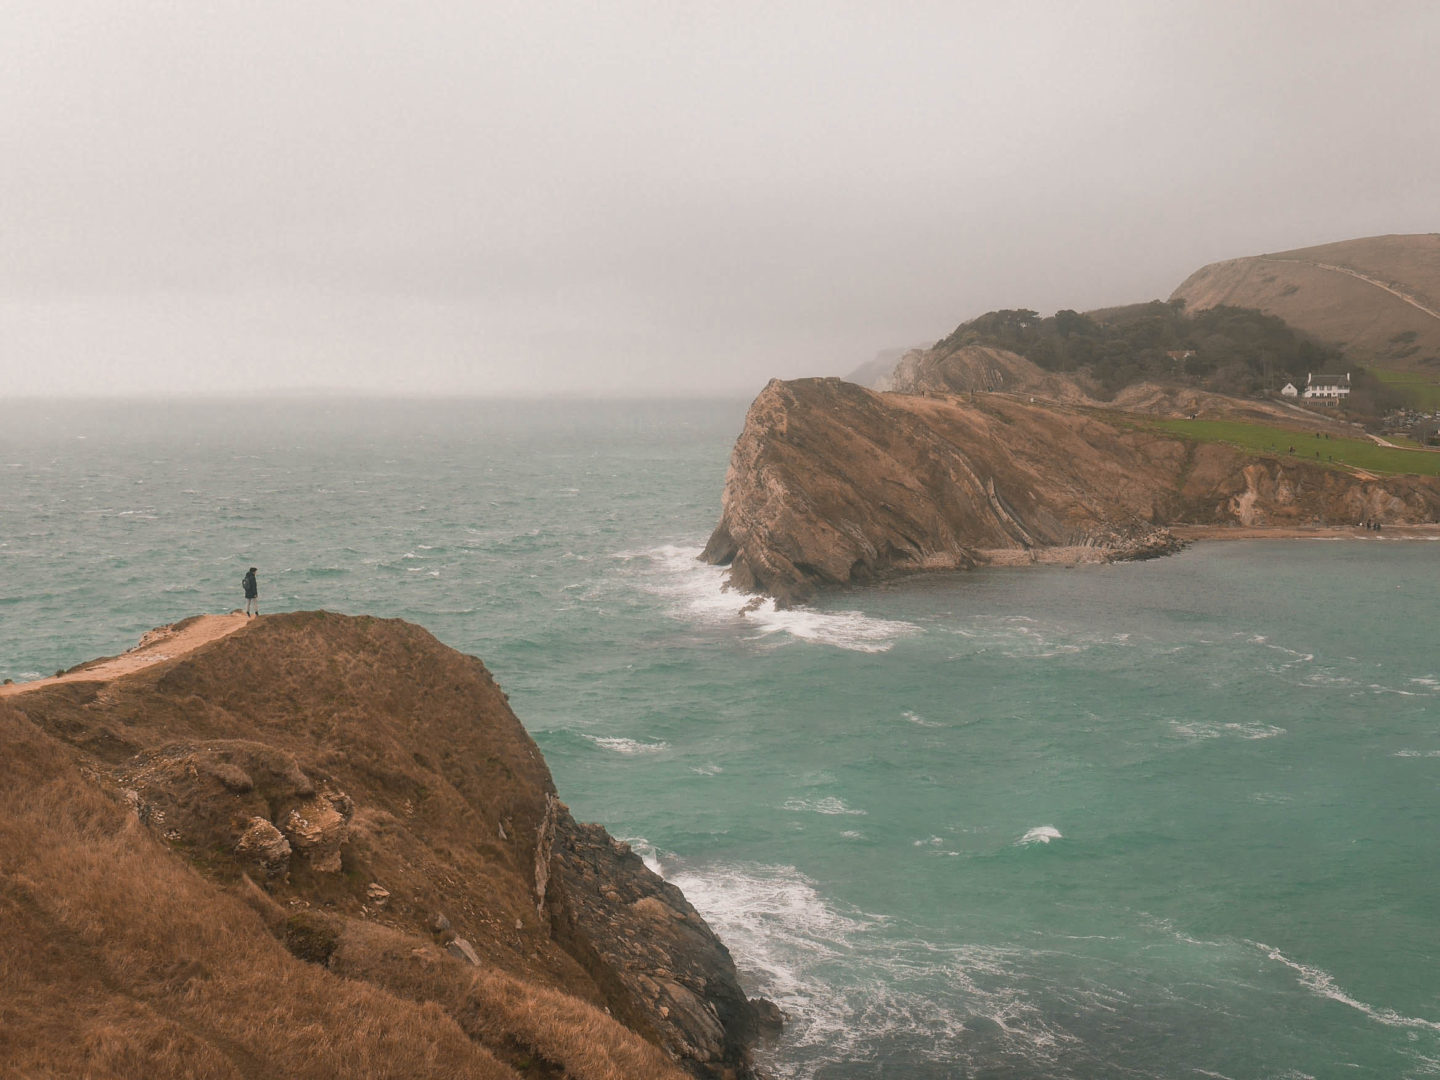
831	484
323	846
1377	298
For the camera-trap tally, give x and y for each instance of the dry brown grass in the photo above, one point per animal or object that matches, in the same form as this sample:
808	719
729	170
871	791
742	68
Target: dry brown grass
140	950
580	1038
530	1021
119	960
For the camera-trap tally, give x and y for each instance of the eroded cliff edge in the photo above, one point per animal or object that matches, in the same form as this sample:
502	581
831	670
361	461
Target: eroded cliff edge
325	846
833	484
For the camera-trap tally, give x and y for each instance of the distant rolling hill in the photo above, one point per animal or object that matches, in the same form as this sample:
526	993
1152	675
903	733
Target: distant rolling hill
1378	298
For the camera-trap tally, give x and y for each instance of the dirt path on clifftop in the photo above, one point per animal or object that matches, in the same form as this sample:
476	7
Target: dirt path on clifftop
160	644
1361	277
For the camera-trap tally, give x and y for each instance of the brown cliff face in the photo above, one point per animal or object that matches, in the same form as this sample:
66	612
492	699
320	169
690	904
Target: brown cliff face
980	368
832	484
324	846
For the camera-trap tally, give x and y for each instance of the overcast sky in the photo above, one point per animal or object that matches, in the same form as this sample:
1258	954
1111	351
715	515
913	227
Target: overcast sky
611	197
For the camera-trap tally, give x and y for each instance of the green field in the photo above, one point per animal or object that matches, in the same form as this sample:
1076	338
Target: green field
1421	390
1403	440
1335	452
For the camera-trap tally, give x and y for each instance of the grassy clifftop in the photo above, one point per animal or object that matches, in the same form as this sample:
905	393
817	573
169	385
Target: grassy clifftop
1376	298
324	847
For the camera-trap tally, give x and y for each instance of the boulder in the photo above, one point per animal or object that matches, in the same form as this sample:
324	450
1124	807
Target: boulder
318	826
463	950
263	849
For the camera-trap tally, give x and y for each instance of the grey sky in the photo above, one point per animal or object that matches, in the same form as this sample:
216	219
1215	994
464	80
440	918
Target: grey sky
625	198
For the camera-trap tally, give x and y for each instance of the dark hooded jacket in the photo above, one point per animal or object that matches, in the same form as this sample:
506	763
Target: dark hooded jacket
251	589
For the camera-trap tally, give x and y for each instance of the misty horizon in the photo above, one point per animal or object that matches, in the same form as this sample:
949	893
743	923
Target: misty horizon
540	201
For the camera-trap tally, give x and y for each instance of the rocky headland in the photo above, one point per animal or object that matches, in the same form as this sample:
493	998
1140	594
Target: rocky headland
989	460
324	846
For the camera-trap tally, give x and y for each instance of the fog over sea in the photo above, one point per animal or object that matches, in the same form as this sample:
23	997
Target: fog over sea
1166	819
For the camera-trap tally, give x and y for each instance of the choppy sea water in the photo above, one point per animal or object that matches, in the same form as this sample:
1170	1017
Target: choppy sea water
1166	819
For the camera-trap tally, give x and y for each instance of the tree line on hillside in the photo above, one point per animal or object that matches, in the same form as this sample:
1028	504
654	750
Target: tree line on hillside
1230	350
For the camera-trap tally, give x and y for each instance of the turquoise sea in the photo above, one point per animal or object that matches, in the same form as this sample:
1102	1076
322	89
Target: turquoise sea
1168	819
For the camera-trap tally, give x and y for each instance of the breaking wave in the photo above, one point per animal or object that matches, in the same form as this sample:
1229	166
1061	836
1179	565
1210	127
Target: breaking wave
621	745
1040	834
828	805
855	987
698	594
1323	983
1215	729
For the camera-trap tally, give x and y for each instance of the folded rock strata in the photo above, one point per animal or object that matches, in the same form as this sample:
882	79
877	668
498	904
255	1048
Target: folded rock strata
832	484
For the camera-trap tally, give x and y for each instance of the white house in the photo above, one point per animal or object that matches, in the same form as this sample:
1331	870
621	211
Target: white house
1289	390
1327	388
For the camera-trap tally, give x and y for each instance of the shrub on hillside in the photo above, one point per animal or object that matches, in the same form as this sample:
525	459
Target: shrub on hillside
1229	350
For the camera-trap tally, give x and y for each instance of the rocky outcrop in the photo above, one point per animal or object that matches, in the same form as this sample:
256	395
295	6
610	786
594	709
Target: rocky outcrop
638	930
979	368
831	484
317	827
368	793
263	850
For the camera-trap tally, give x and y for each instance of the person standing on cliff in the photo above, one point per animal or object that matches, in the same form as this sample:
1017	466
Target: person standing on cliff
252	592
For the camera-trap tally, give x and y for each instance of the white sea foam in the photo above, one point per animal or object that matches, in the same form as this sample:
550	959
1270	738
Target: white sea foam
1271	798
918	720
1416	753
1376	688
647	851
1020	637
775	920
1040	834
1323	983
1296	656
789	942
626	746
707	770
698	593
1215	729
828	805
